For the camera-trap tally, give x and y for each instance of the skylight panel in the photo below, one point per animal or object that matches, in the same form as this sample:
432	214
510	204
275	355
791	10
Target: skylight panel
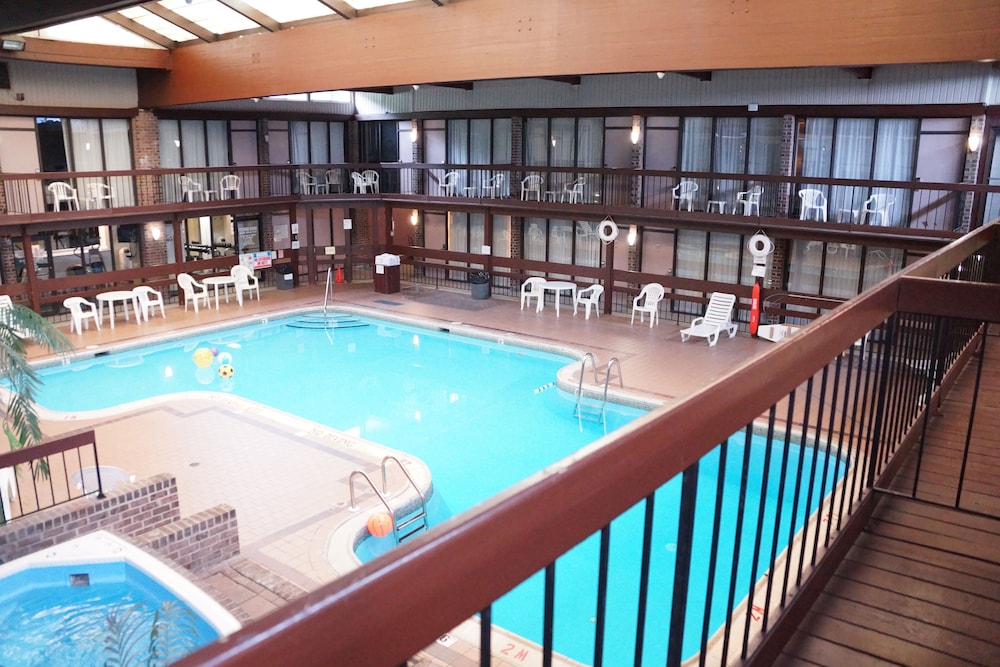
289	11
153	22
93	30
210	15
368	4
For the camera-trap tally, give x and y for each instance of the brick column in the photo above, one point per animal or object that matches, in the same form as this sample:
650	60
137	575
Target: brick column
784	194
146	155
418	176
516	158
977	127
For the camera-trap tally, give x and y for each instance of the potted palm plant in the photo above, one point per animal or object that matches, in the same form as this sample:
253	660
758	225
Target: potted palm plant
17	325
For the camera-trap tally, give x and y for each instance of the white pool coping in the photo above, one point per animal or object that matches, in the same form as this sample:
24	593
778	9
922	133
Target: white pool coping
101	547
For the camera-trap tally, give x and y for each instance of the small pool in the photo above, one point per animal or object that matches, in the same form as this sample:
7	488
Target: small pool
97	598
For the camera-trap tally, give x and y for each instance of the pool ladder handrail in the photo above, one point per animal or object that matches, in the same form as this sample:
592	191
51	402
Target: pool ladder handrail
417	521
328	290
591	410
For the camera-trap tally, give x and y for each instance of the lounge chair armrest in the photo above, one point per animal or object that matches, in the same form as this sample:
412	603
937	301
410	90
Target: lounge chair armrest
696	321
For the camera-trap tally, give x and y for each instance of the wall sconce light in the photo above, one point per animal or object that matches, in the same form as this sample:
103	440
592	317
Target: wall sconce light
553	139
413	131
155	232
660	75
414	218
633	234
12	45
636	130
975	140
416	86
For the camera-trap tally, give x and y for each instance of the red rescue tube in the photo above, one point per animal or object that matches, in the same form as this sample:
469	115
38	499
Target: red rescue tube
754	308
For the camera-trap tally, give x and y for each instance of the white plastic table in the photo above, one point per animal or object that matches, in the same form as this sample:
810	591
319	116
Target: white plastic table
557	287
219	281
125	296
110	476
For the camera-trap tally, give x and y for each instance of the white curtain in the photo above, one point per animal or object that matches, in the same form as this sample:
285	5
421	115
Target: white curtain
724	257
729	156
118	157
299	141
689	262
536	142
534	238
895	152
588	244
319	142
696	151
852	158
561	241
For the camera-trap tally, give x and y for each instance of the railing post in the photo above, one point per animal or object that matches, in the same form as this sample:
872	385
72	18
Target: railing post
682	567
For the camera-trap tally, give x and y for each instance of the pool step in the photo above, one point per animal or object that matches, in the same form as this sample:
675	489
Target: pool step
327	322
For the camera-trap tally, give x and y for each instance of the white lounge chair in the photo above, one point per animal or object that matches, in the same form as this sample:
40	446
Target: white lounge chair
194	291
589	297
715	320
80	311
648	301
533	288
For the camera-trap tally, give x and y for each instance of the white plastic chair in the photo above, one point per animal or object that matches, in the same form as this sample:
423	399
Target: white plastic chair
531	185
332	178
97	194
715	320
878	205
308	184
494	186
573	191
230	183
147	299
750	199
246	281
648	301
685	192
812	200
533	288
190	188
450	183
63	192
589	297
371	179
6	307
359	182
81	312
194	291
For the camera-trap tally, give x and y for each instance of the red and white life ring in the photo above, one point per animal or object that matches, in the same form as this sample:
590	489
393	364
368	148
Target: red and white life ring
607	231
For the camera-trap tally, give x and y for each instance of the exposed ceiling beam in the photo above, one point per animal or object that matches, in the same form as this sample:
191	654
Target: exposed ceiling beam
242	8
23	15
181	22
139	29
341	9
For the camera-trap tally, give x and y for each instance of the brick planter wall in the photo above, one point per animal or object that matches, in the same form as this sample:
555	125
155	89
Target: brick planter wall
197	542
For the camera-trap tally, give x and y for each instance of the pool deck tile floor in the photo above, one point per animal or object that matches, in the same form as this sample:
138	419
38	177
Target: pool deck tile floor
289	480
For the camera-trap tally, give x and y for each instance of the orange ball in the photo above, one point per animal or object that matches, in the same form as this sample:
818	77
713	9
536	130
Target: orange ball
380	524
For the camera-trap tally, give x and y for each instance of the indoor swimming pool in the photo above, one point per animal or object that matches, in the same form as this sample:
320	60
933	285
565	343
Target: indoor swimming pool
464	406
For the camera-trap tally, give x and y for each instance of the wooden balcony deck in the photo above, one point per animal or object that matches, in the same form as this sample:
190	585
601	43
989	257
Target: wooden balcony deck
922	584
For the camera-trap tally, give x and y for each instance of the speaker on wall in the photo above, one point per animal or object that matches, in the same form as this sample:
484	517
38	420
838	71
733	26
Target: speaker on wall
4	77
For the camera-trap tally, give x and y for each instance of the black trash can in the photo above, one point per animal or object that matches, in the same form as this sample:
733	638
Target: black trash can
285	276
480	284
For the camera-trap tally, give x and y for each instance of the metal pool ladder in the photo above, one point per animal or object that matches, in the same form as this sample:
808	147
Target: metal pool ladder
403	526
326	320
590	408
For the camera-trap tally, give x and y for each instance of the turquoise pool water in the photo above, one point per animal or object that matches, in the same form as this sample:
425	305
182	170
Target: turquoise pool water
44	620
464	406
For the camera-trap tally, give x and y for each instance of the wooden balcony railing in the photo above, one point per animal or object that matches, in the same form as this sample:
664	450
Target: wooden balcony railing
900	204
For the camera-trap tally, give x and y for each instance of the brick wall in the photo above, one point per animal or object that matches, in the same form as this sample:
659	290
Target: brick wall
128	511
197	542
971	170
146	155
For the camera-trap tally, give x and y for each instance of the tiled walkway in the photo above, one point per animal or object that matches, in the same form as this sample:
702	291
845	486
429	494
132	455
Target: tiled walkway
288	478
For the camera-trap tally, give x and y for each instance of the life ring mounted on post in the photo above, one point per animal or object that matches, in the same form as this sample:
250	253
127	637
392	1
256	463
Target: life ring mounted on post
607	231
